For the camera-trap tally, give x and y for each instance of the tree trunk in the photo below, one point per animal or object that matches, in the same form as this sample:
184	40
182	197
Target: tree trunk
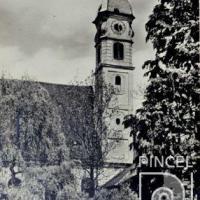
92	183
14	181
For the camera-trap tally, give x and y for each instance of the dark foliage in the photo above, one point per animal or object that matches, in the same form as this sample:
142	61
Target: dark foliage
169	121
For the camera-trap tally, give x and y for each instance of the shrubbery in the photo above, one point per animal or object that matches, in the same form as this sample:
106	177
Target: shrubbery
124	193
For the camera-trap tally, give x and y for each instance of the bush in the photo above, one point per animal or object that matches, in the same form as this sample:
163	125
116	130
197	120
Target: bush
124	193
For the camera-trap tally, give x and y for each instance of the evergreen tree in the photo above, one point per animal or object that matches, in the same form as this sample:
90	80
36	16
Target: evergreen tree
169	121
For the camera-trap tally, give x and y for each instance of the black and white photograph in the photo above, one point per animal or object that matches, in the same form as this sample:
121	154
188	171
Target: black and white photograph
99	100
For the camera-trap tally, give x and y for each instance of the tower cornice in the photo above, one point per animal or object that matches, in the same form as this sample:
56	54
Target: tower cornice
103	65
106	14
114	39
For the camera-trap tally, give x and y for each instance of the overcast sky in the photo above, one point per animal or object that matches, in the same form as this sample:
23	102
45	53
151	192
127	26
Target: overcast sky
53	40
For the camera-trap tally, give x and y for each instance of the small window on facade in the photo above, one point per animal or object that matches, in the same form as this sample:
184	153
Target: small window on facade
118	49
118	121
118	80
116	10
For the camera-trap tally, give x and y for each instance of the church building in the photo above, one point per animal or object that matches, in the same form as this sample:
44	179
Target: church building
113	43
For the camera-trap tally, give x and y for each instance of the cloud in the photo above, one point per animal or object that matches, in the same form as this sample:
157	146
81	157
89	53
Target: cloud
32	25
45	65
53	40
141	9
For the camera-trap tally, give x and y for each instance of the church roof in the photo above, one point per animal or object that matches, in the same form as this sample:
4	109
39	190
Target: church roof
122	177
75	105
123	6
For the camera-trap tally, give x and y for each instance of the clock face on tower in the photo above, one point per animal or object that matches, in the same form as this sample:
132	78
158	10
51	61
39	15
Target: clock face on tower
118	27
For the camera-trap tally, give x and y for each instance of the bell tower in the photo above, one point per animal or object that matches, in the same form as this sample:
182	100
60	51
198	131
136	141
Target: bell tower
113	43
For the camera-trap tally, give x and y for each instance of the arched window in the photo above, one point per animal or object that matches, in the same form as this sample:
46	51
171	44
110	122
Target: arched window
118	49
118	80
118	121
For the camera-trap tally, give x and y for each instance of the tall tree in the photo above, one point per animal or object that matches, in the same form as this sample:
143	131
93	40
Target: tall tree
31	137
30	121
86	124
169	121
